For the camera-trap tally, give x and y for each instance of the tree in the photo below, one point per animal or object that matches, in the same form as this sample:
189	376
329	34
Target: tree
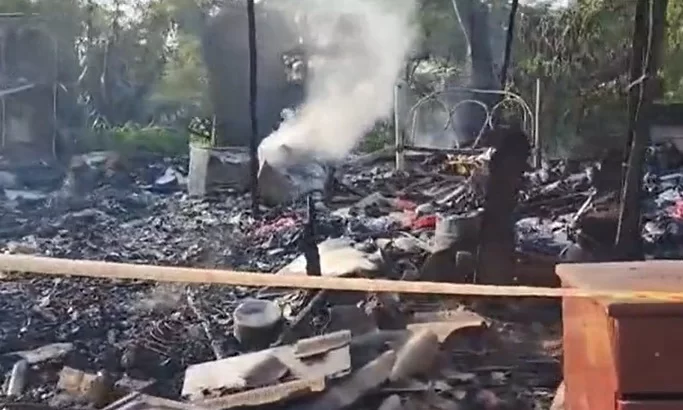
140	62
581	54
672	69
182	91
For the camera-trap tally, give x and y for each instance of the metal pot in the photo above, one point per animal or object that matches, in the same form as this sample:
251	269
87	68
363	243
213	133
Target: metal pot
460	229
256	323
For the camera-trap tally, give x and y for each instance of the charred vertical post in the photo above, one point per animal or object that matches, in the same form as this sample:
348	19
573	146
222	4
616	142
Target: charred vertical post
308	243
496	253
312	300
510	35
253	104
648	34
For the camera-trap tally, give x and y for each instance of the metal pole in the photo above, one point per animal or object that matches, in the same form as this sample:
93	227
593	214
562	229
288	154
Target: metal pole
398	129
253	95
537	126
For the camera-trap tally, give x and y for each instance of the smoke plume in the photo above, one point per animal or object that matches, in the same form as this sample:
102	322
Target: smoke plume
357	50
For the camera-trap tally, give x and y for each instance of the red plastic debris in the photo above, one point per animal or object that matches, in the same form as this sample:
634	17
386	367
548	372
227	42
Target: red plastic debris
278	225
677	210
427	221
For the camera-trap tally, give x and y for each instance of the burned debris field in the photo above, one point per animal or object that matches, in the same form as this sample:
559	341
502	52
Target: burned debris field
347	205
376	222
142	336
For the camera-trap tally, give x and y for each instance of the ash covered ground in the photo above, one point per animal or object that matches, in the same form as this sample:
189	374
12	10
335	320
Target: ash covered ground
152	331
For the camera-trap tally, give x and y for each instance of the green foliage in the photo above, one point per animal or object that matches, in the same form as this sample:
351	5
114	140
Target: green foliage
441	35
135	63
183	87
581	54
381	136
130	139
672	69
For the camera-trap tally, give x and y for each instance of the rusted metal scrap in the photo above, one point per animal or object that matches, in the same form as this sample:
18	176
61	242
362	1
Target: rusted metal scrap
307	362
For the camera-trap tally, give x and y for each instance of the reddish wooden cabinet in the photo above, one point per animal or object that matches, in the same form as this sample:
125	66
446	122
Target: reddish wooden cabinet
623	354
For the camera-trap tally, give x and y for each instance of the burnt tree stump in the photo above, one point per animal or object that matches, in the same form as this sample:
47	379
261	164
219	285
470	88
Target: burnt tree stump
496	252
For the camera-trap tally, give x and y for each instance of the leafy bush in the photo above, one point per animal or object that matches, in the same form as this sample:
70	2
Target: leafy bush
131	139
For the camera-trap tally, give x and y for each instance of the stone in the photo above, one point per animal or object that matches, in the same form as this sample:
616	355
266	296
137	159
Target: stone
278	185
286	175
216	169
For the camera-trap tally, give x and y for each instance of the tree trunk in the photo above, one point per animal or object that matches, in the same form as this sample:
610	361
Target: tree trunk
473	17
226	55
474	20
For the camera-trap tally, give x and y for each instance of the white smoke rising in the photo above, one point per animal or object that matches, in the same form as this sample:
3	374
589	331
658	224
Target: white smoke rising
357	50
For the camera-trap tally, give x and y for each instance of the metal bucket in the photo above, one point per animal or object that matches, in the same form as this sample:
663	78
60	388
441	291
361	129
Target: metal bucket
457	229
256	323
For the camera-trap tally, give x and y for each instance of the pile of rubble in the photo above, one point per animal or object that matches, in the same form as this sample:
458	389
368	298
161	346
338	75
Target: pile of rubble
87	342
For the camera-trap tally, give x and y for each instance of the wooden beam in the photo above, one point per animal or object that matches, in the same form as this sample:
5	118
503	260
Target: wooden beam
111	270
